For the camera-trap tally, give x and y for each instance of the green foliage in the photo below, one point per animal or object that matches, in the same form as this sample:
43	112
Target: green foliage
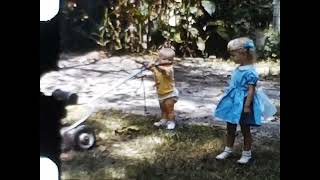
138	26
271	48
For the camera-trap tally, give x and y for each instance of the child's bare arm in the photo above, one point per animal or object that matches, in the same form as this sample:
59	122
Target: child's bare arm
165	61
151	65
247	105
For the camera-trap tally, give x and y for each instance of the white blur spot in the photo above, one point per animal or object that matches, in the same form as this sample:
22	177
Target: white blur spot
48	169
48	9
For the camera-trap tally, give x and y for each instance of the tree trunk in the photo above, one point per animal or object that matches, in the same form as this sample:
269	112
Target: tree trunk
276	15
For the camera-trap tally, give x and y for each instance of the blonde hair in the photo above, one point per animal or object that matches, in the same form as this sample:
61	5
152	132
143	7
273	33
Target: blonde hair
167	53
243	43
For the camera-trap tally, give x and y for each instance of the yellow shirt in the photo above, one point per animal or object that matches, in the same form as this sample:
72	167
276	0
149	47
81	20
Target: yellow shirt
164	80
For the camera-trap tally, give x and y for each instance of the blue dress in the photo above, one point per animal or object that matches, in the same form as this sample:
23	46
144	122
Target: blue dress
230	107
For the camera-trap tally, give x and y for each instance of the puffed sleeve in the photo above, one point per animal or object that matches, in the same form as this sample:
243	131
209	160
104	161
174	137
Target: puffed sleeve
251	78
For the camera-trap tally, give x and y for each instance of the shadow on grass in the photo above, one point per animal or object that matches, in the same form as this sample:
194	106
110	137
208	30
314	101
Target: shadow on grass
134	149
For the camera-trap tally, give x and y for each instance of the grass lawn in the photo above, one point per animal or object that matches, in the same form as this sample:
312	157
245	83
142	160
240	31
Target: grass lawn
129	147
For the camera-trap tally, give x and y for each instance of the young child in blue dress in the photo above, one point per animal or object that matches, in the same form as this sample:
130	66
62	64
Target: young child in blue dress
242	104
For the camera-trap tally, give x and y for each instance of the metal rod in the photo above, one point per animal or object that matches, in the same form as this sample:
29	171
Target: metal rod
91	102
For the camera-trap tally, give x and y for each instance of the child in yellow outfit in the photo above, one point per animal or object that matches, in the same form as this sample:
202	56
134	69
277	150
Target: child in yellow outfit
164	81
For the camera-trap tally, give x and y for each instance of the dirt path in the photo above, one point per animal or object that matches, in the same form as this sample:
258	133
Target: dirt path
200	83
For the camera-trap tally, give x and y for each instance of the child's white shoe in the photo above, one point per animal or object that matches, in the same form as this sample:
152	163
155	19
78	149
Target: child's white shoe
246	156
162	122
225	154
171	125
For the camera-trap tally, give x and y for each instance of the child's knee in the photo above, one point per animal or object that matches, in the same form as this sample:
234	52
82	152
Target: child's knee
169	104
